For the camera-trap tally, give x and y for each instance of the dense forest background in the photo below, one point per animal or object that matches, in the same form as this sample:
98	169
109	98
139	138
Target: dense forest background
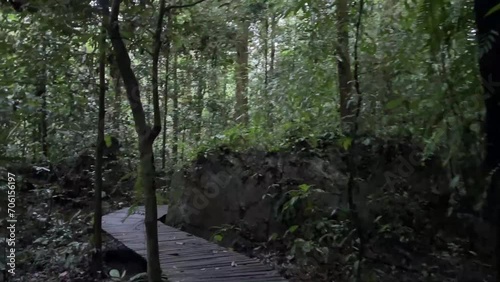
416	63
102	101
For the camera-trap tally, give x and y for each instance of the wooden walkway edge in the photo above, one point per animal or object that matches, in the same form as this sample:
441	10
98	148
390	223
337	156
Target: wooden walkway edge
184	257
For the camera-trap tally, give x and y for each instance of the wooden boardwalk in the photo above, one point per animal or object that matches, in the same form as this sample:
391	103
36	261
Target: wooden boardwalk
184	257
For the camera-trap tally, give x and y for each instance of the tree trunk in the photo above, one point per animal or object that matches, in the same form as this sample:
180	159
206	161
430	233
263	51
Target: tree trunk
183	141
227	112
490	76
165	96
41	91
186	92
344	64
213	91
241	108
268	107
117	87
199	101
146	136
273	46
270	74
99	150
156	60
175	117
266	55
43	126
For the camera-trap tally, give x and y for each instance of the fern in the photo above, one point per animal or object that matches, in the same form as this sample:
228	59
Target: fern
486	42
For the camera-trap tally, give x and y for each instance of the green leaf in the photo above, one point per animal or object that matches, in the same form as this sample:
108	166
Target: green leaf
493	10
273	237
394	104
108	141
346	143
293	228
307	247
304	188
131	211
114	273
455	181
218	238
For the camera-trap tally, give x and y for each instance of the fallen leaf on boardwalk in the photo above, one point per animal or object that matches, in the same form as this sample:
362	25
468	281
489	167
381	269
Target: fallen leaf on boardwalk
64	274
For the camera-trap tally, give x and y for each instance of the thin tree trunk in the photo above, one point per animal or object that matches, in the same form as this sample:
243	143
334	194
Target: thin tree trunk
266	97
99	149
344	64
199	101
241	108
353	170
115	74
165	96
266	55
270	75
186	92
25	139
213	91
273	46
43	126
224	97
183	141
156	60
175	117
41	92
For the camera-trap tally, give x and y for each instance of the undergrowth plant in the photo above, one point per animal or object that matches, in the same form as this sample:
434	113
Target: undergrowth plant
315	239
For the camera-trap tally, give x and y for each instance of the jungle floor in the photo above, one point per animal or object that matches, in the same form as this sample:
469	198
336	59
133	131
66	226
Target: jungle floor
54	240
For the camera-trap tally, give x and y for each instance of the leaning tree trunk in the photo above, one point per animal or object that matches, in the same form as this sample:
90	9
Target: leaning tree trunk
487	26
146	136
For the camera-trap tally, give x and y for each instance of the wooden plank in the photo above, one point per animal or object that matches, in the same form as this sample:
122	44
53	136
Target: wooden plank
220	267
220	275
161	210
209	279
213	256
186	252
184	257
204	260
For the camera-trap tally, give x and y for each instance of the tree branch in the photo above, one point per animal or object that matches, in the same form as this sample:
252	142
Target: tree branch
154	80
124	65
21	6
184	6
